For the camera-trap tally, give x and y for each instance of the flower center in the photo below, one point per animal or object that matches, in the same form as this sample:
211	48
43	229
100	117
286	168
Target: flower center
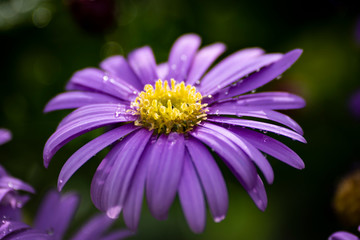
169	109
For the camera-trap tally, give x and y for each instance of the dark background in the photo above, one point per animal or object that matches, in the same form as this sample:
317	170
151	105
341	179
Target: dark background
42	43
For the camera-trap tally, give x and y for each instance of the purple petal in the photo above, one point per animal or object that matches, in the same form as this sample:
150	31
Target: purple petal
76	99
181	56
342	235
102	172
254	154
9	213
238	162
163	176
119	179
203	60
211	178
264	114
26	234
258	194
265	100
118	235
94	228
15	184
143	63
5	136
259	125
230	64
191	197
11	227
56	212
270	146
100	81
238	71
87	151
262	77
134	200
118	66
83	113
162	70
109	114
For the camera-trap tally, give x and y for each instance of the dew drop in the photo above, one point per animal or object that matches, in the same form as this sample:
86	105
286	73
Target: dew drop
105	78
173	66
209	96
265	131
183	57
234	84
10	185
253	91
227	93
219	219
50	231
197	82
61	182
218	86
217	112
278	77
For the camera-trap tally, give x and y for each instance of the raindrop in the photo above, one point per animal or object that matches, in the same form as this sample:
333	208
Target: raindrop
278	77
10	185
217	112
209	96
197	82
218	86
173	66
60	182
219	219
50	231
212	149
234	84
265	131
227	93
258	70
135	92
19	204
253	91
105	78
183	57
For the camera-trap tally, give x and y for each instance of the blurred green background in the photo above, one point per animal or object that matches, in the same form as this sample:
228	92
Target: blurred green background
42	44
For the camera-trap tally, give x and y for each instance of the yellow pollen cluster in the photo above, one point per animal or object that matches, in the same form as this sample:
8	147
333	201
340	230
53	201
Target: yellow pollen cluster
169	109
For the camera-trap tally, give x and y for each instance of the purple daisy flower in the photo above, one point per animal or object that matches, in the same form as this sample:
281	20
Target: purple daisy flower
5	136
161	130
53	219
342	235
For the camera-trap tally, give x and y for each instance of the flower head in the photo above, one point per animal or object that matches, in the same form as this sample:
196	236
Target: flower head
164	118
53	219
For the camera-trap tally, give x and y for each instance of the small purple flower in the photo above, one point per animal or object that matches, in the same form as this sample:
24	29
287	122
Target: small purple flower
10	198
53	219
5	136
164	119
342	235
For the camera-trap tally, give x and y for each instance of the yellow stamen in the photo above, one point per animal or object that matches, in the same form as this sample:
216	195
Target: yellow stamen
165	109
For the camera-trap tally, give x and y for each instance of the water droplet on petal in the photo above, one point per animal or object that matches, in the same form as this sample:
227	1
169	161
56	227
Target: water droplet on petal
183	57
219	219
253	91
173	66
10	185
197	82
278	77
105	78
